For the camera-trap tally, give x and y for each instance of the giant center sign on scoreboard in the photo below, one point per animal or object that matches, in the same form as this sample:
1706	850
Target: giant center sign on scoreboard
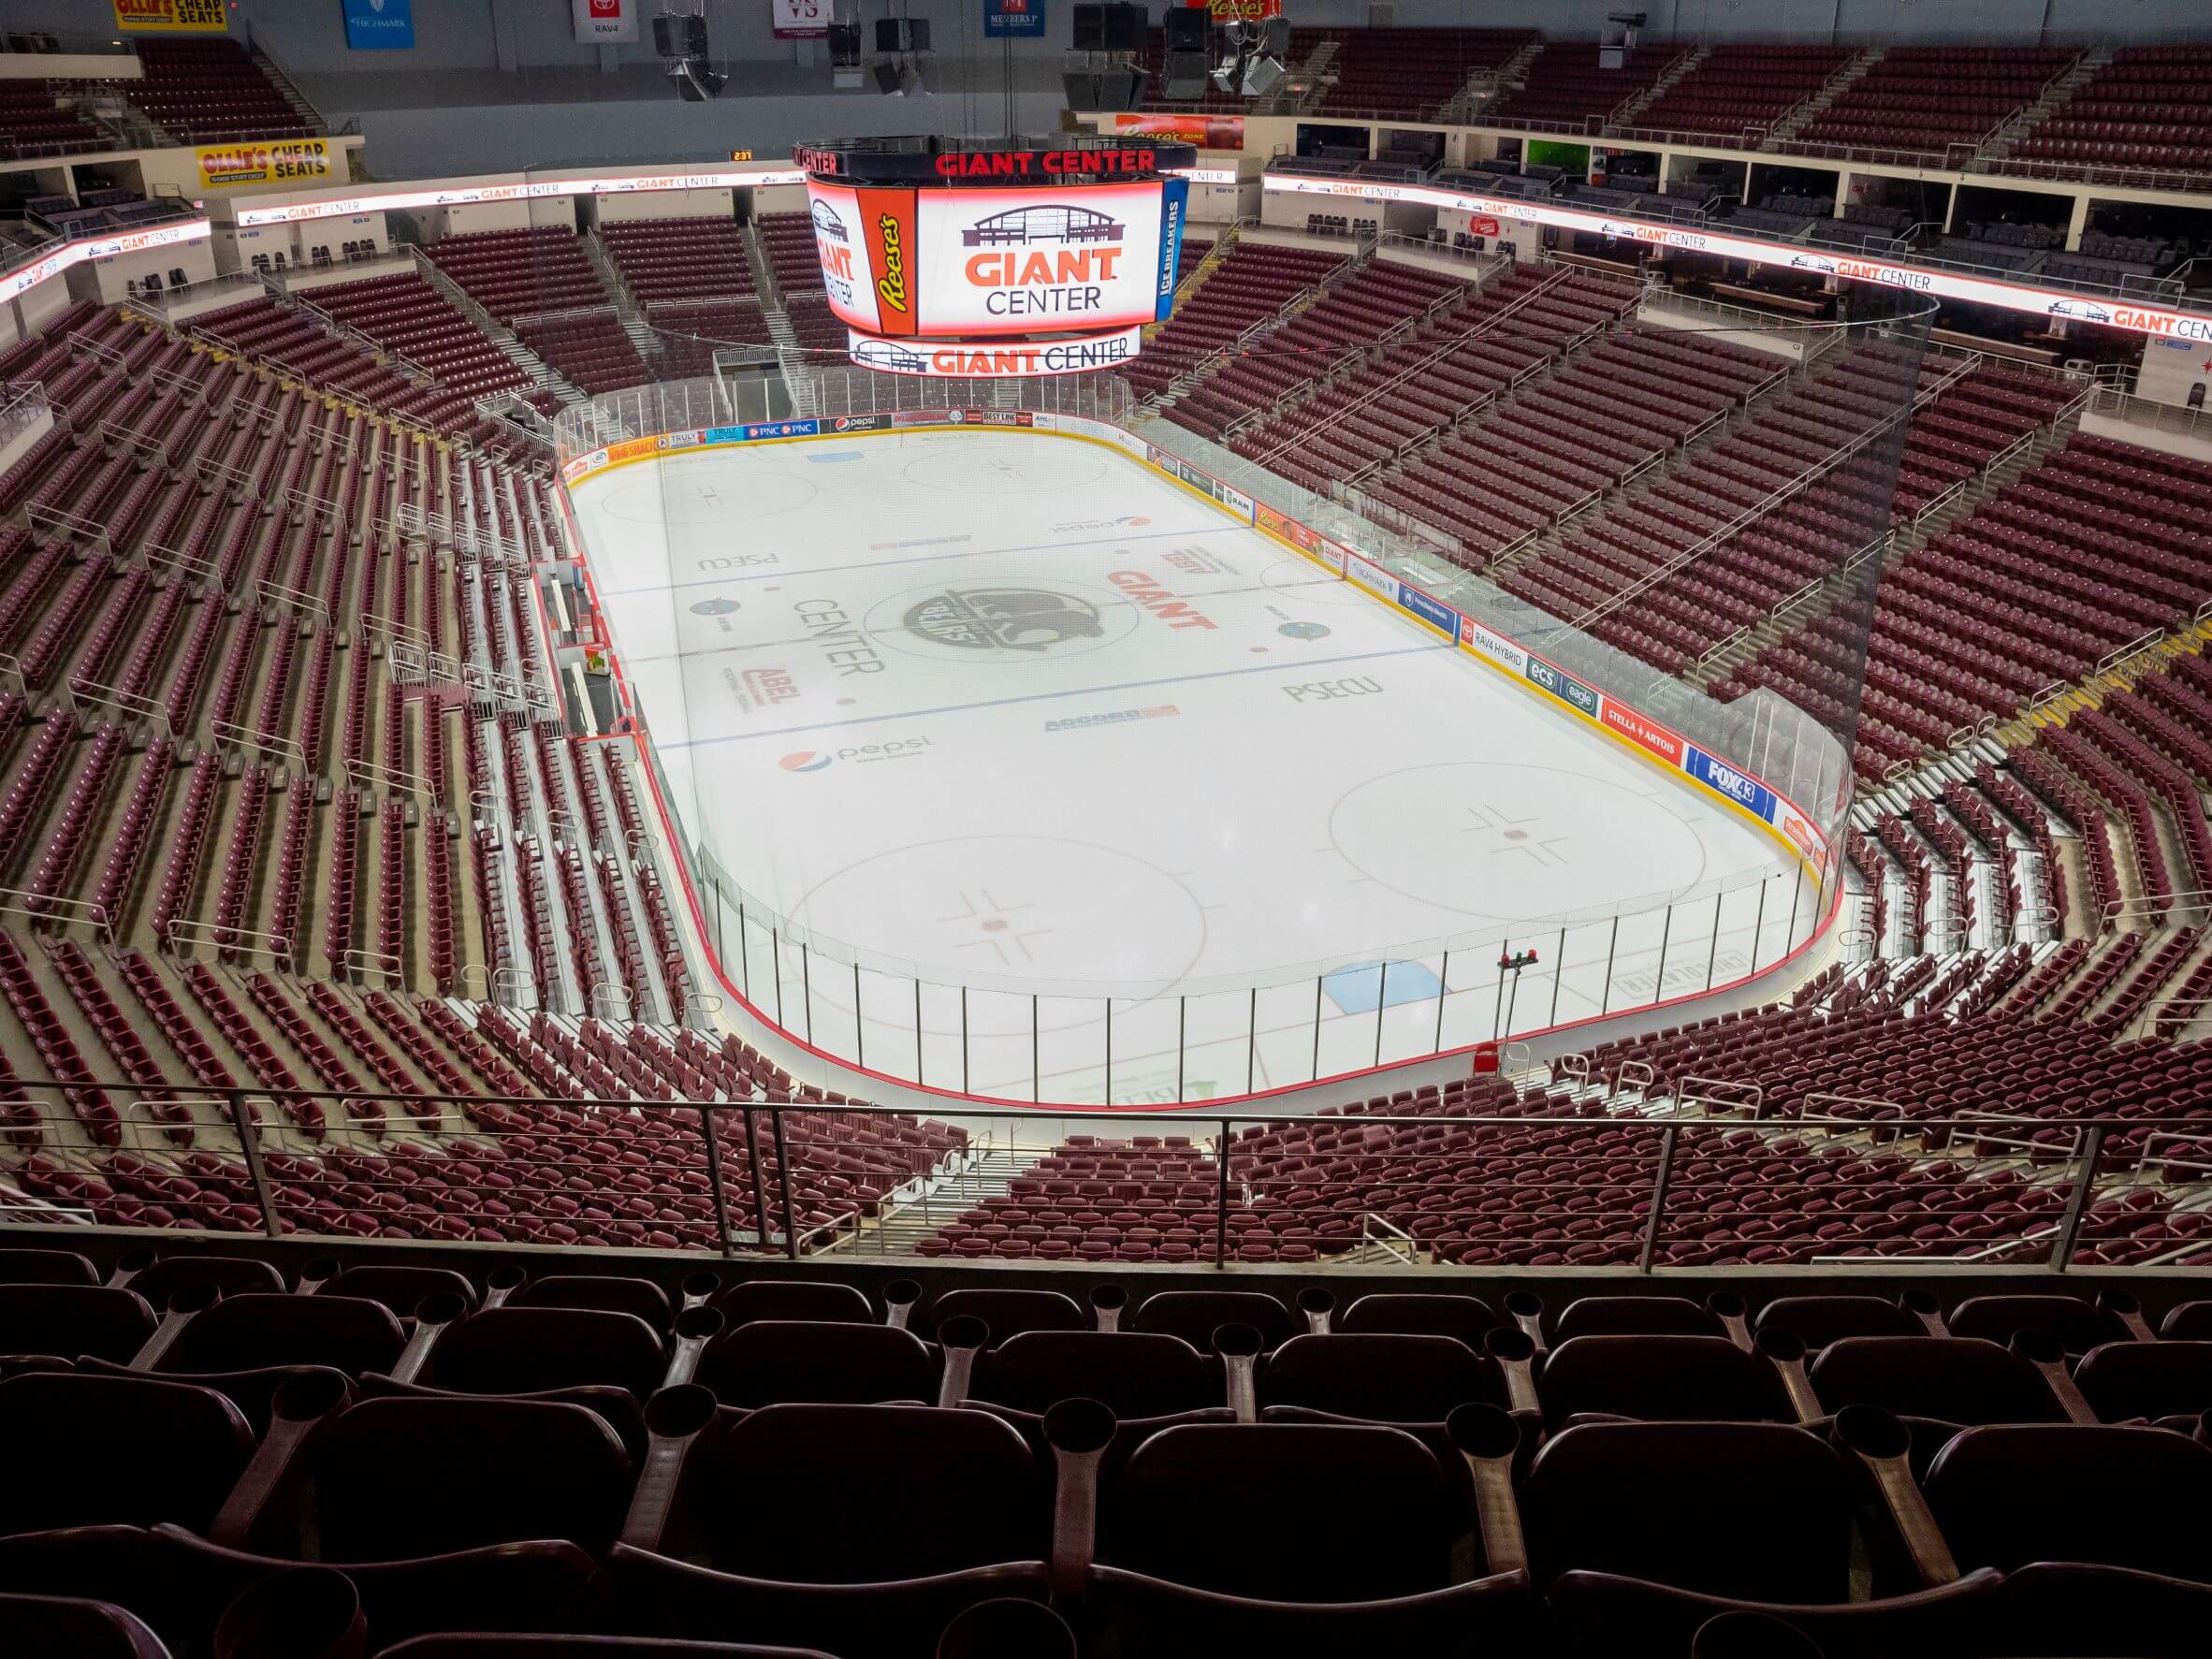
1054	242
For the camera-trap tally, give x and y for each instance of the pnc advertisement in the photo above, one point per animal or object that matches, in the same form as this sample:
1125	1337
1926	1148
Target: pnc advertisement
979	263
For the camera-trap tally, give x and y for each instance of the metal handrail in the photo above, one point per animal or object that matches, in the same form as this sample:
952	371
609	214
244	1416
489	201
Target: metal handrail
1221	1137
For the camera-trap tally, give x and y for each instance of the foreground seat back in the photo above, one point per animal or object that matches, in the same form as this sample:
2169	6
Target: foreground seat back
227	1276
402	1290
1281	1512
52	1624
523	1350
89	1450
603	1292
916	1491
792	1362
1009	1313
790	1299
406	1477
1757	1511
1195	1315
45	1267
1633	1316
2153	1379
1951	1378
2139	1498
68	1320
1662	1377
1391	1380
2078	1325
1818	1321
1135	1375
1465	1319
256	1331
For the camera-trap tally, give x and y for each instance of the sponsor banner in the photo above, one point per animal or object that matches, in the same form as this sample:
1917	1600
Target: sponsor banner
1564	687
1120	716
378	26
887	221
1373	577
1729	783
1015	19
23	278
1014	261
1175	205
1235	11
995	359
842	243
784	428
2157	321
1438	615
266	161
855	423
801	19
606	22
1801	833
1237	502
1646	734
177	17
631	448
382	201
1475	637
1208	132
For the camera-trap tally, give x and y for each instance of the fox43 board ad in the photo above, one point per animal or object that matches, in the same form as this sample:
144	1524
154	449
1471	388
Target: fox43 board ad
978	263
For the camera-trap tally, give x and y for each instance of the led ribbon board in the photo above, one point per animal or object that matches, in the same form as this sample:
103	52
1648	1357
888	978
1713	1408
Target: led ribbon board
1943	285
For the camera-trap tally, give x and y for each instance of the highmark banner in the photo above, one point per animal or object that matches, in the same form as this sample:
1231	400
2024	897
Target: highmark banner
266	161
1788	822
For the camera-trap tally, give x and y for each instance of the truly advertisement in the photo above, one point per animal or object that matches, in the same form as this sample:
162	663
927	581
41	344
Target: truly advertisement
995	359
1022	261
1438	615
1729	783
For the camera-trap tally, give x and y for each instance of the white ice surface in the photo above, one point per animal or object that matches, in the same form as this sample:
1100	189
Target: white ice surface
1233	771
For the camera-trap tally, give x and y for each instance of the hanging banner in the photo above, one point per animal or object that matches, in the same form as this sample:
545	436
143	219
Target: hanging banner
606	22
268	161
801	19
175	17
378	26
1208	132
1015	19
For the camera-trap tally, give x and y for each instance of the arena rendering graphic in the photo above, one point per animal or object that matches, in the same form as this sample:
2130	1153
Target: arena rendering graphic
1401	848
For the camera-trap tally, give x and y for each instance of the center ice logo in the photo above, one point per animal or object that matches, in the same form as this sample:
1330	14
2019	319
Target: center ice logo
1004	619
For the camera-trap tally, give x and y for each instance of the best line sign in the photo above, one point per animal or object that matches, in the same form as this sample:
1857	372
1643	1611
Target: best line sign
1942	285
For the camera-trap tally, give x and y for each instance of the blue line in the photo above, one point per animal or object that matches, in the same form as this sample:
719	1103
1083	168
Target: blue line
1134	685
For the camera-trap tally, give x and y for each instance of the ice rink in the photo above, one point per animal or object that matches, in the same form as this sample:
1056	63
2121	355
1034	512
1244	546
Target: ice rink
999	725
